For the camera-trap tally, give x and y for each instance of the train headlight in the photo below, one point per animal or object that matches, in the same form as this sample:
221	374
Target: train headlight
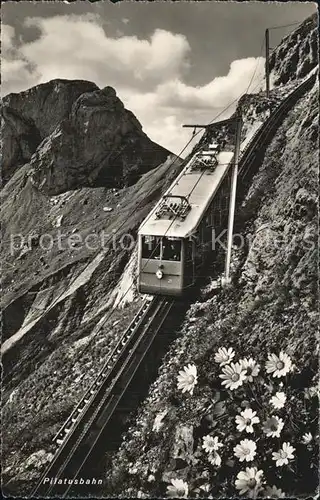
159	274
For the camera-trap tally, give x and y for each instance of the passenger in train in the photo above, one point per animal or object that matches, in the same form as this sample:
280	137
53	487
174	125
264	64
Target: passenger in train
171	249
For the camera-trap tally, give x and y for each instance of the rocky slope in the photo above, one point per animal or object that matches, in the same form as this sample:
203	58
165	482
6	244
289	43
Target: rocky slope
297	54
73	134
271	306
63	255
60	136
65	306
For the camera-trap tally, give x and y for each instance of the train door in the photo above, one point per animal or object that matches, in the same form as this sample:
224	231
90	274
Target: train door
198	251
189	263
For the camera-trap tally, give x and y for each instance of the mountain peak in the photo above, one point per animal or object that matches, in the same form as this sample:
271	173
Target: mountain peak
74	134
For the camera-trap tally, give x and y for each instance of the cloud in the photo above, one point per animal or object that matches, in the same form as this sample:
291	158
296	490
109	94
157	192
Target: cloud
220	90
16	73
75	46
174	103
7	36
148	74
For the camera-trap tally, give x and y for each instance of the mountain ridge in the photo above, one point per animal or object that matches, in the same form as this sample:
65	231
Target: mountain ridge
72	134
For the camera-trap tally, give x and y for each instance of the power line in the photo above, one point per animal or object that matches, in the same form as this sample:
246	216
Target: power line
64	227
178	156
72	281
284	25
152	253
253	75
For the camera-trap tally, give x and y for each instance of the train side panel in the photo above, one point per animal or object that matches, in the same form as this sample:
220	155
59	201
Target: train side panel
170	283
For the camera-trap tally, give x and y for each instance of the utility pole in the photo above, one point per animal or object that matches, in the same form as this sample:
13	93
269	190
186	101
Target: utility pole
267	64
232	203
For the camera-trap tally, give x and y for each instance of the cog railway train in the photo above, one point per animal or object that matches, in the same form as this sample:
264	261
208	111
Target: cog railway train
177	235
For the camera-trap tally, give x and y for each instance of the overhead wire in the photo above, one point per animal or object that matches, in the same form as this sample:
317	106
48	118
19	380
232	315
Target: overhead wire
178	156
159	243
284	25
256	67
193	136
86	347
129	288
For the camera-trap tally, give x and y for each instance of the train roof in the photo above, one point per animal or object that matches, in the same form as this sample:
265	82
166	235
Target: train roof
198	187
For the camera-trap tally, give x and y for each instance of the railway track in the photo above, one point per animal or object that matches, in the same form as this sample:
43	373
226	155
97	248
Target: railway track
263	135
80	433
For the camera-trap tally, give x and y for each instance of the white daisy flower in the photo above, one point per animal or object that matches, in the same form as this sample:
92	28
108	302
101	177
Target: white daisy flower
278	400
177	489
273	492
214	458
249	482
157	424
211	443
246	419
283	455
233	376
141	494
205	487
311	392
252	368
307	438
224	356
246	450
273	426
280	365
187	378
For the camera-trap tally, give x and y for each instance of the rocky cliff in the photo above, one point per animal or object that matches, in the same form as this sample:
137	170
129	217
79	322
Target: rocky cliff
73	134
270	307
186	442
80	175
297	54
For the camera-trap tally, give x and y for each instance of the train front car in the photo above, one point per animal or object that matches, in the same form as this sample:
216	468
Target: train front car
162	249
177	234
161	265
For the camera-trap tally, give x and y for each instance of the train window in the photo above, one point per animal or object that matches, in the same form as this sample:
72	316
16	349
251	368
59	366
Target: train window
151	247
209	219
171	249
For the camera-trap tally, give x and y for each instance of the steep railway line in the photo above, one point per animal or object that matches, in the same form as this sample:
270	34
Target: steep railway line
80	433
263	135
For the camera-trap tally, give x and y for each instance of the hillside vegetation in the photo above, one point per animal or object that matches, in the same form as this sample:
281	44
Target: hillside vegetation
270	307
184	443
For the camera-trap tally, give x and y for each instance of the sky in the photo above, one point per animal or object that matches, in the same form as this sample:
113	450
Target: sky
171	63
